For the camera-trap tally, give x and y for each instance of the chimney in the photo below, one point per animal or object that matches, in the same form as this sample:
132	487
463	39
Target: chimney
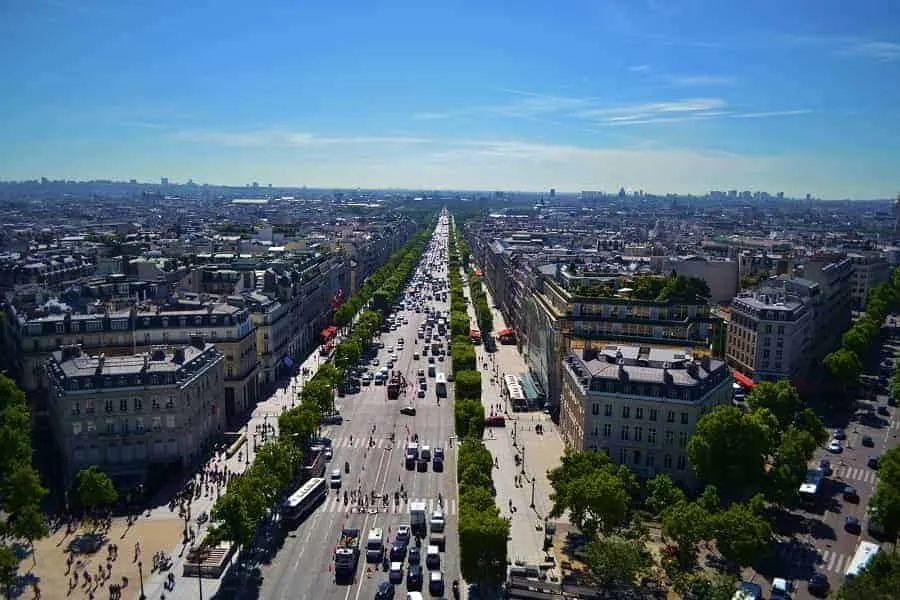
179	355
706	363
101	360
197	341
146	361
668	379
623	374
70	351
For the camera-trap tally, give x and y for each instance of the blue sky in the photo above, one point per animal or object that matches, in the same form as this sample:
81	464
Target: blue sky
662	95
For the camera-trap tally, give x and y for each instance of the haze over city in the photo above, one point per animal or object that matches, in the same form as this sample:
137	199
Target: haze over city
681	97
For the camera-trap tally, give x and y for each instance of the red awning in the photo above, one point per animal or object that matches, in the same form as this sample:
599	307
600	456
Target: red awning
478	272
743	379
507	331
474	333
329	331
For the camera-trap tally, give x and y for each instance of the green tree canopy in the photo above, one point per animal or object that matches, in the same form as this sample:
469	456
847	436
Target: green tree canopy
94	488
729	449
686	523
741	534
661	493
615	561
844	366
781	398
468	384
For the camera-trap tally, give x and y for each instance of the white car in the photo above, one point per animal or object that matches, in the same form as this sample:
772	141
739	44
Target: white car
835	446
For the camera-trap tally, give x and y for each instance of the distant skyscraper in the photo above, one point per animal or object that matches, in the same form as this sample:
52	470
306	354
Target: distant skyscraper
553	192
164	181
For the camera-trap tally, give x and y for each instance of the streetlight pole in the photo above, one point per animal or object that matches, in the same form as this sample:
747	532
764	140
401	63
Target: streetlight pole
141	576
533	481
515	436
523	458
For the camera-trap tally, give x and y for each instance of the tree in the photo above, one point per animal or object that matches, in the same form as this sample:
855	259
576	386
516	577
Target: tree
94	488
596	493
319	393
844	366
482	541
299	423
469	418
880	580
684	290
886	503
809	422
781	398
30	525
741	534
661	493
686	523
468	384
343	316
856	341
615	561
729	449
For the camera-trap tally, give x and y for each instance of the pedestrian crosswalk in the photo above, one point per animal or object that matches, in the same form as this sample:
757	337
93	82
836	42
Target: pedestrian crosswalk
361	443
863	474
335	503
806	556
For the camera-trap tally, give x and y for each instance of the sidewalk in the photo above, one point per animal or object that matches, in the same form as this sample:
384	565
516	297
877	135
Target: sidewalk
540	453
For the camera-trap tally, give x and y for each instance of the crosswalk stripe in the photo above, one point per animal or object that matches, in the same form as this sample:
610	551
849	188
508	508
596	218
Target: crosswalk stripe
335	503
839	565
831	558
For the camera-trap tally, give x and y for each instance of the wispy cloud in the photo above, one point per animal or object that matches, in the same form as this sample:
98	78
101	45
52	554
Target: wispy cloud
287	138
652	109
773	113
700	80
639	68
883	51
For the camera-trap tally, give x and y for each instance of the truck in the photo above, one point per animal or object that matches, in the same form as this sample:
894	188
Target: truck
417	519
393	386
346	556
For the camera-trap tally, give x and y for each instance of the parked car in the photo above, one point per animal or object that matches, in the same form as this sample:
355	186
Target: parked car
409	411
850	494
868	442
851	524
835	446
818	584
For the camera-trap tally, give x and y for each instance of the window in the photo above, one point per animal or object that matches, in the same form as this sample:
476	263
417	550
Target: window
652	414
670	437
626	412
170	421
139	424
109	406
123	405
636	457
623	456
607	410
123	426
60	327
76	407
667	461
170	402
76	428
682	439
157	423
671	416
650	460
651	436
607	430
138	405
110	426
638	431
91	427
681	462
155	402
639	412
623	435
684	418
595	409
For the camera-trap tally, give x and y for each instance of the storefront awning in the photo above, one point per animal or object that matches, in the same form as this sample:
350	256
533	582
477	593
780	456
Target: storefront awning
329	331
743	379
474	333
503	332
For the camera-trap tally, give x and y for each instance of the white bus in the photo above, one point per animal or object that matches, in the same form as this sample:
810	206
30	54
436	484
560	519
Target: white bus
811	486
865	552
304	500
440	385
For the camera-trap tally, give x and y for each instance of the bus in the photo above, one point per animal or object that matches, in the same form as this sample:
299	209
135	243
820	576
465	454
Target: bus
440	385
865	552
304	500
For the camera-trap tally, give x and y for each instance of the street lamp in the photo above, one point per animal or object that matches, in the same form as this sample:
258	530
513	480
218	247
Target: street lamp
515	444
199	556
523	458
533	481
141	576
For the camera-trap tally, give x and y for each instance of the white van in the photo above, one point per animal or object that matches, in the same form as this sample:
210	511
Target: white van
437	521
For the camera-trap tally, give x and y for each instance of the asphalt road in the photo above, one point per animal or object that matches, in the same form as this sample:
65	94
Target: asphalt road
822	544
302	567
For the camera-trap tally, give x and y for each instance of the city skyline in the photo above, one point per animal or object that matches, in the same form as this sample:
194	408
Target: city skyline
680	97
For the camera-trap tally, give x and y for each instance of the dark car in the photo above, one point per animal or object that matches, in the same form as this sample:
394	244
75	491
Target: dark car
825	466
422	466
839	434
873	461
868	442
438	464
398	552
851	524
414	578
385	591
850	494
883	411
818	584
415	556
409	411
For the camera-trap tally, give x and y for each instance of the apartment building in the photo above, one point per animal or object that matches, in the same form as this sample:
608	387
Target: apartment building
871	270
556	319
721	275
113	330
639	404
770	336
128	414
